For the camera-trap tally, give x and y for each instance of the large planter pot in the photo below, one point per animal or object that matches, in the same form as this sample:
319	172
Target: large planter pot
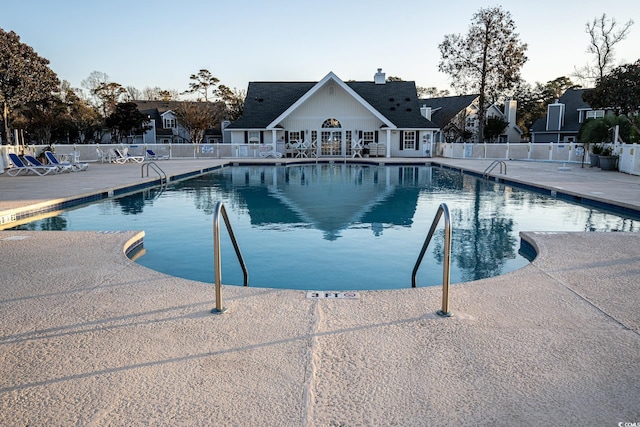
594	159
608	163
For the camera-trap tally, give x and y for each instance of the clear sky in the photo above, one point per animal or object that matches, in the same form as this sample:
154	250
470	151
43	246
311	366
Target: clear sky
161	43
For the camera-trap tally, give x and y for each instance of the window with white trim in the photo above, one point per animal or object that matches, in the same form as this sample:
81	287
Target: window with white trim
409	140
295	136
169	123
595	114
254	136
331	123
368	137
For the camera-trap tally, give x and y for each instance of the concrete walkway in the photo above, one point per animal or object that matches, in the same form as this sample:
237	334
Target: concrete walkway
90	338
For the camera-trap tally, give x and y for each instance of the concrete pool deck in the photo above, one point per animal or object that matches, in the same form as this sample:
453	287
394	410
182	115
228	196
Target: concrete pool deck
88	337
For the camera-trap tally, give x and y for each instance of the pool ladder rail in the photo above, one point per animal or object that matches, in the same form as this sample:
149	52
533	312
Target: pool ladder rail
446	264
153	165
493	165
219	212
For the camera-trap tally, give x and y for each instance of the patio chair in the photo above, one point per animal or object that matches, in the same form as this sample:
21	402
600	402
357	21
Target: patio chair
72	167
373	149
19	166
290	148
356	148
102	156
151	155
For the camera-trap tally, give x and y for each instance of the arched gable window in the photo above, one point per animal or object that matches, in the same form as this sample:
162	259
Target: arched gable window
331	123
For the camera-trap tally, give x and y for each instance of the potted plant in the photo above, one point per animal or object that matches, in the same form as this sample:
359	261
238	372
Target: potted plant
608	161
594	156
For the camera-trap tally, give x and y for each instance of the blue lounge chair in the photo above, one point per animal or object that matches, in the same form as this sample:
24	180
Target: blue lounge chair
72	167
33	162
19	166
153	156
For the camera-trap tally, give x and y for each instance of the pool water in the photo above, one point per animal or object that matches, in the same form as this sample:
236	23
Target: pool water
335	226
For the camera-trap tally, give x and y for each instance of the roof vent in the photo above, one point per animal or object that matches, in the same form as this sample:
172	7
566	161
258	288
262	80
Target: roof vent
379	77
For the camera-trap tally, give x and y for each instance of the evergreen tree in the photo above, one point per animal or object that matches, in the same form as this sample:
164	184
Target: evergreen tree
25	77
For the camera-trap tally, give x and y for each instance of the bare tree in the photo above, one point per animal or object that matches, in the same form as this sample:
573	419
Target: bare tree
133	94
151	93
604	34
487	61
105	94
197	117
158	94
431	92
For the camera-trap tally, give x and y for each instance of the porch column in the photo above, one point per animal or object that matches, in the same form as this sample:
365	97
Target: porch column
387	154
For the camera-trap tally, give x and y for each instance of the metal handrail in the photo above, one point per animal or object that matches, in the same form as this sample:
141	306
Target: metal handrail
493	165
446	267
157	169
221	211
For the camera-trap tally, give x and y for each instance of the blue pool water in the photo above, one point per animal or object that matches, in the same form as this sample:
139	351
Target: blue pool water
335	226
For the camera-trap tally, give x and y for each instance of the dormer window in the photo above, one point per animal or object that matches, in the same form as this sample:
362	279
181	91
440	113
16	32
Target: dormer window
170	123
595	114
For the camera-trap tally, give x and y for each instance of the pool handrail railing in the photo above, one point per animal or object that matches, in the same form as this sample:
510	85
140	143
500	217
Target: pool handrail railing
492	166
218	212
446	277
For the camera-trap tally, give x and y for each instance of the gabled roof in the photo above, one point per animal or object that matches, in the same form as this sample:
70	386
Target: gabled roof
573	102
330	77
444	109
394	103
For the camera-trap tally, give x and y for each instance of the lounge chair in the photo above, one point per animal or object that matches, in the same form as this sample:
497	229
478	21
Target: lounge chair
19	166
33	162
151	155
72	167
268	151
124	156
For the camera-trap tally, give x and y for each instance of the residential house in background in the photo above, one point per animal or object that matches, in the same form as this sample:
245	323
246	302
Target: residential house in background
165	126
334	118
457	118
564	118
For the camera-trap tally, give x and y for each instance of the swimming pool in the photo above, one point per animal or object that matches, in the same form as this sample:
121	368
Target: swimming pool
335	226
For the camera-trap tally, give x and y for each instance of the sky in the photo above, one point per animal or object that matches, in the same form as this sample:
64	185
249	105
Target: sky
161	43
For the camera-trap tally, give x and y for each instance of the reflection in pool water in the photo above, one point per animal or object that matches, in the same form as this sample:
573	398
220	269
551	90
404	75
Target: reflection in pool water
335	226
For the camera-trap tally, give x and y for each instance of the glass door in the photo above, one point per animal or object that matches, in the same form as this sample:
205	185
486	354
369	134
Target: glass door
331	143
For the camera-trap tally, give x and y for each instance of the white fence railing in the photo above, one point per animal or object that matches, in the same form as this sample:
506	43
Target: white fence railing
629	161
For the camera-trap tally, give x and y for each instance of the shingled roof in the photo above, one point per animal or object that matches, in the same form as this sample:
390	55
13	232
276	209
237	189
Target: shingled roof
397	101
573	102
444	109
